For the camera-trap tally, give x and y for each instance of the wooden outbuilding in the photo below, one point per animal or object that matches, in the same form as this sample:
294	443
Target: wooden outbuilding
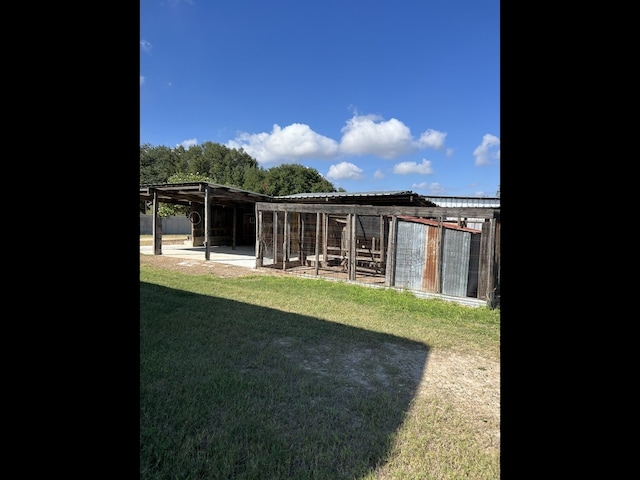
396	239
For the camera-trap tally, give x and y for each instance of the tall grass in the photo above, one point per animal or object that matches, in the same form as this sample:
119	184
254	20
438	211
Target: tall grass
264	377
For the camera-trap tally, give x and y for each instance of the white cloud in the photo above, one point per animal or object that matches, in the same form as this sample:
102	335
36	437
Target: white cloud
378	175
291	143
386	139
406	168
432	139
141	80
344	170
487	150
188	143
145	46
362	135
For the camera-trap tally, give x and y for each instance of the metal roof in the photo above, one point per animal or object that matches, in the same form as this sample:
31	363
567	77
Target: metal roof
396	197
347	194
188	192
456	201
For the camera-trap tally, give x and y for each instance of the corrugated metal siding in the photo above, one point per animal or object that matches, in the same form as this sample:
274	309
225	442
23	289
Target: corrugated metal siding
418	257
410	253
488	202
455	262
429	278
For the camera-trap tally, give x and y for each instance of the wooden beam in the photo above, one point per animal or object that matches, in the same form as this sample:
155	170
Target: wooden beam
207	223
235	225
425	212
285	241
391	253
275	238
259	249
157	226
352	217
318	243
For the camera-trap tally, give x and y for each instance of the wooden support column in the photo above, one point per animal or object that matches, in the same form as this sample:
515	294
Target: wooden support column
440	250
259	250
325	230
285	240
157	226
233	233
352	217
382	257
390	279
207	222
301	255
275	237
318	243
486	267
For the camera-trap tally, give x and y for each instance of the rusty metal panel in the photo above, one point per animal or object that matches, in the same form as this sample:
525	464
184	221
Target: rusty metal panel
410	254
429	275
455	262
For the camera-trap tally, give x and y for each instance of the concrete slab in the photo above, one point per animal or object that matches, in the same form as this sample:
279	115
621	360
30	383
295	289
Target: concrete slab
242	256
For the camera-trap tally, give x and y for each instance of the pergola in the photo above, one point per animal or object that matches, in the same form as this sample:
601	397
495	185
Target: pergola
197	193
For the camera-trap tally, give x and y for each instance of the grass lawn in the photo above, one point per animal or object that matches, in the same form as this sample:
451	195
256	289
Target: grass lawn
277	377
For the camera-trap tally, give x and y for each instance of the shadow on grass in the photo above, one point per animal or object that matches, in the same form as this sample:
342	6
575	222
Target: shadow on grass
237	391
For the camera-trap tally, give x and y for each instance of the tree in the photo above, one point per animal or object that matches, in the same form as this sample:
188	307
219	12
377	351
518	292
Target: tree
157	164
216	163
288	179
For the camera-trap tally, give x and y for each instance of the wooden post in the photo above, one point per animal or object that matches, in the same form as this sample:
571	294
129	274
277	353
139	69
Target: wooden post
440	250
301	253
207	222
486	268
325	231
233	234
259	252
275	237
352	246
318	243
391	253
157	226
381	242
285	241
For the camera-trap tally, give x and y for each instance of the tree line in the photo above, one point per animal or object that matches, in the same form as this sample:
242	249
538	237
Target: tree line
216	163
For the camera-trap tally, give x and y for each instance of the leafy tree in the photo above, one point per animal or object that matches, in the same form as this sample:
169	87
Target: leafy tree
288	179
255	179
216	163
157	164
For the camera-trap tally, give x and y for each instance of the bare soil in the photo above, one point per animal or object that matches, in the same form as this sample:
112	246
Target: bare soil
470	383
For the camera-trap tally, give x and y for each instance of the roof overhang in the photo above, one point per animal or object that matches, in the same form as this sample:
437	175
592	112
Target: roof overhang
194	193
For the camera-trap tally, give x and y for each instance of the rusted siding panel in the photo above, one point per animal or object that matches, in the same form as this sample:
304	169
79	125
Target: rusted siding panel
429	275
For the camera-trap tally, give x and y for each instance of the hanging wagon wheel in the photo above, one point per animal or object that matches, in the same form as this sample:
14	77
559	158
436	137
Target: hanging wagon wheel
194	218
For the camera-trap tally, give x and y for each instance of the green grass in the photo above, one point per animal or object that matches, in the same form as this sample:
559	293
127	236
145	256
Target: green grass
264	377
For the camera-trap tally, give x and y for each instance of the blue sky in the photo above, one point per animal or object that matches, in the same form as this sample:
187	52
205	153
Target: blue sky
376	95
